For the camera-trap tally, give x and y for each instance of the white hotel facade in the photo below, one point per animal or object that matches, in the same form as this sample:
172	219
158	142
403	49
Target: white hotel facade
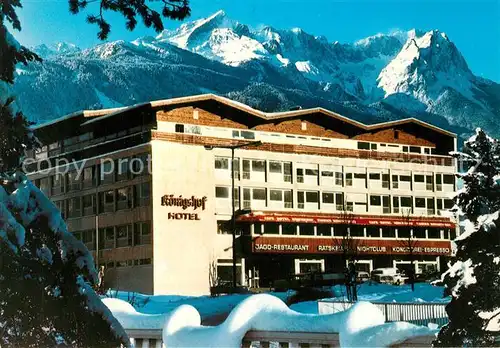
315	176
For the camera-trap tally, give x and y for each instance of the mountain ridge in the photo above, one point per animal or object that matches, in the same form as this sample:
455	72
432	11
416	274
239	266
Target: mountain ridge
382	77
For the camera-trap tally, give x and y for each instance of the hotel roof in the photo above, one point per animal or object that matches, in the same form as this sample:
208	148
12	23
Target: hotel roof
98	115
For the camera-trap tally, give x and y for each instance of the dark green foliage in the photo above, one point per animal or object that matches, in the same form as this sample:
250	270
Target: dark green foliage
40	302
14	137
473	280
174	9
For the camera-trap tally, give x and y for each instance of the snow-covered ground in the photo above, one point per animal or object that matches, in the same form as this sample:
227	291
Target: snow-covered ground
212	306
374	292
180	317
207	306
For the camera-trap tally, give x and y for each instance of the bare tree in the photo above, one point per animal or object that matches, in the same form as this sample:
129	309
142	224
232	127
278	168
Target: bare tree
213	278
409	243
348	246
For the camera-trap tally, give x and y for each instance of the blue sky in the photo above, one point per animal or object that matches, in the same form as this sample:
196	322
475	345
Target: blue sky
474	26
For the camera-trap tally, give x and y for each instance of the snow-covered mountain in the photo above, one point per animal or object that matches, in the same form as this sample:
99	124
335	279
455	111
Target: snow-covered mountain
385	76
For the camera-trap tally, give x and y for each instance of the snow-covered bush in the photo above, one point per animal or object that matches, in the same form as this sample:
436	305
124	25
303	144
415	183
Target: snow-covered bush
46	277
473	277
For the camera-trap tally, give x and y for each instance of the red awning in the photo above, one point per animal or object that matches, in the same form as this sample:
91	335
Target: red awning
336	219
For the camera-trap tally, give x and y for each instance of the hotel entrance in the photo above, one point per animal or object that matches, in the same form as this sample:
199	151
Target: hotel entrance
303	266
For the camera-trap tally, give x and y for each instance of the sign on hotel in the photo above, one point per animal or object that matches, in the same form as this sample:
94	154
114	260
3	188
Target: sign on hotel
193	202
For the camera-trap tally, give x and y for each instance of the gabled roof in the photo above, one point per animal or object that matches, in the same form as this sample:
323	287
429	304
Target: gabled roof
264	116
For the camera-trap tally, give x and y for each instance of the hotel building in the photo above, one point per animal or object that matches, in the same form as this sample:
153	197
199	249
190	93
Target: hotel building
148	189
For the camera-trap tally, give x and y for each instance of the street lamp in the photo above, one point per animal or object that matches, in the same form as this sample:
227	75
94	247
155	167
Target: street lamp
233	217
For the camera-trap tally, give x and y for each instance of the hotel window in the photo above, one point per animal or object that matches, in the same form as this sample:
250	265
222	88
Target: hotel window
431	206
259	194
447	203
61	206
107	238
45	186
141	164
254	169
123	198
401	204
312	197
379	179
348	179
300	175
404	232
388	232
221	192
73	181
107	172
307	173
448	179
419	202
57	184
222	163
357	231
276	195
375	200
74	207
415	149
429	183
275	167
142	194
300	200
306	229
339	201
287	171
373	232
123	236
280	171
223	227
405	149
142	233
363	145
107	201
289	229
271	228
89	205
395	181
419	233
338	179
88	239
179	128
419	178
434	233
243	134
324	230
88	177
359	200
327	198
122	165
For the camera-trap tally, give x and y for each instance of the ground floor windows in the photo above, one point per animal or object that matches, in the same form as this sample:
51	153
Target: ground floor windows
268	271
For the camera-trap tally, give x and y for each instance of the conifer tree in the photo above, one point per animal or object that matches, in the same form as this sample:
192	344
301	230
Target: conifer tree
473	277
46	275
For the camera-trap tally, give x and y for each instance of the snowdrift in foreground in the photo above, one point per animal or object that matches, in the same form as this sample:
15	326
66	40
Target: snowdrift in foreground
129	318
361	325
